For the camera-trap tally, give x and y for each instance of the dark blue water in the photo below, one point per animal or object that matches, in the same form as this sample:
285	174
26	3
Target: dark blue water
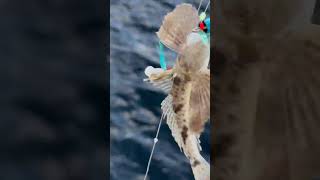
135	105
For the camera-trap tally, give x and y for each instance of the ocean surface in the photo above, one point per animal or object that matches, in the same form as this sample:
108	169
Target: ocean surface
135	105
53	99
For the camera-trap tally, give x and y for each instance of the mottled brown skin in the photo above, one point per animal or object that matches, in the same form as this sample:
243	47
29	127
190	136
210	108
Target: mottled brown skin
187	68
266	84
195	163
180	100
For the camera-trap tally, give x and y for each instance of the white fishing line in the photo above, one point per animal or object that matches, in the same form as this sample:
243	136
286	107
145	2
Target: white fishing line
207	7
200	5
155	140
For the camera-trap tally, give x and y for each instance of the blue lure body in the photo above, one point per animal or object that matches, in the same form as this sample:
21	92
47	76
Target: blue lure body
207	21
162	57
205	34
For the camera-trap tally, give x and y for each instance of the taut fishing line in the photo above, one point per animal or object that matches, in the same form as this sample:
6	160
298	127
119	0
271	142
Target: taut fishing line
202	17
207	7
155	140
200	5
